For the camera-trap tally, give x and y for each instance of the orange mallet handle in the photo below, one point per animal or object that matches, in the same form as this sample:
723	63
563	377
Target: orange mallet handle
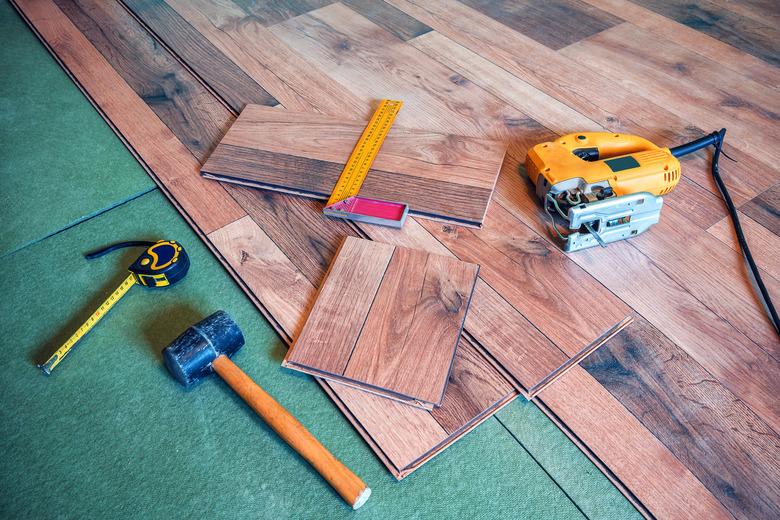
353	490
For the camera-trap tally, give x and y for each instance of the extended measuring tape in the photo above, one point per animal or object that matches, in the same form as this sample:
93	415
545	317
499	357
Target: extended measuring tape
344	201
162	264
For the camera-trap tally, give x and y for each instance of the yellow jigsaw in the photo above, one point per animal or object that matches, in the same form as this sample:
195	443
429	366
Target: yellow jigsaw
606	187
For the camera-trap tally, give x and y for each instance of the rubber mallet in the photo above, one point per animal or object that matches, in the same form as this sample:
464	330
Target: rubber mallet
207	346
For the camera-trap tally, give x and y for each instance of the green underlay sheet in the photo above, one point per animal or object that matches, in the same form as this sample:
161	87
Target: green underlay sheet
58	158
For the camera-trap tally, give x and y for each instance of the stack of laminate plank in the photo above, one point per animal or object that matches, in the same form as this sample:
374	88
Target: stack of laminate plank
662	405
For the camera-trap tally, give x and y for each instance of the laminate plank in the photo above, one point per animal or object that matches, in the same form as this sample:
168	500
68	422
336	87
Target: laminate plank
444	176
275	11
333	327
475	389
208	62
156	145
765	209
531	275
765	11
282	72
305	235
547	110
711	48
172	166
418	311
180	101
402	324
713	274
764	245
556	23
749	35
695	416
618	440
389	18
374	64
271	276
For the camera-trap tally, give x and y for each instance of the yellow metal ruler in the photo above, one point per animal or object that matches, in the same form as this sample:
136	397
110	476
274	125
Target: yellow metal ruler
366	150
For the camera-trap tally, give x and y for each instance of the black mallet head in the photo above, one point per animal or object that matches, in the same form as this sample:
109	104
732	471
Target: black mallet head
190	355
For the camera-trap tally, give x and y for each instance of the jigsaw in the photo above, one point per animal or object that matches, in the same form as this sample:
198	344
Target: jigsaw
605	187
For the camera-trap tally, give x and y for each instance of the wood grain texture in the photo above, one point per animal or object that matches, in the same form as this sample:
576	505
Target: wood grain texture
601	424
178	99
764	245
389	18
695	416
721	52
388	320
747	34
764	209
442	176
335	323
556	23
216	69
282	72
269	13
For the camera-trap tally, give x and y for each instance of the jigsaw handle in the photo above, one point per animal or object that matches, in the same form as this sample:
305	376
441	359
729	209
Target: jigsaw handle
603	145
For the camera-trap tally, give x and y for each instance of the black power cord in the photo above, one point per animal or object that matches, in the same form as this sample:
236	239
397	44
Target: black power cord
716	139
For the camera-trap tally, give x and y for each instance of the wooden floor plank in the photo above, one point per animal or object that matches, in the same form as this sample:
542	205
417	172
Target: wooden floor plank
208	61
764	209
695	416
298	226
443	176
269	13
332	328
387	320
620	441
183	104
764	245
283	73
556	23
389	18
519	266
712	274
747	34
711	48
171	162
282	288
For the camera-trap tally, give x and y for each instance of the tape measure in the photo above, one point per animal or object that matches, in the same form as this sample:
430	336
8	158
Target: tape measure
344	202
162	264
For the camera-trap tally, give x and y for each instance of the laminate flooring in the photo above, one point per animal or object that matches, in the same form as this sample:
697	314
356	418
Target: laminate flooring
678	408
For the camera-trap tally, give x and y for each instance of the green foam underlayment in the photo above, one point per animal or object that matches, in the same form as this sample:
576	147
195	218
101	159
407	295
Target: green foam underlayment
58	158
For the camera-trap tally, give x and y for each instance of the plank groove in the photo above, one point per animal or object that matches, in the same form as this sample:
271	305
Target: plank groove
442	176
207	61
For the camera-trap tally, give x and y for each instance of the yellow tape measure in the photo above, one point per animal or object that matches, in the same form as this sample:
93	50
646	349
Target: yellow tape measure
365	151
101	311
